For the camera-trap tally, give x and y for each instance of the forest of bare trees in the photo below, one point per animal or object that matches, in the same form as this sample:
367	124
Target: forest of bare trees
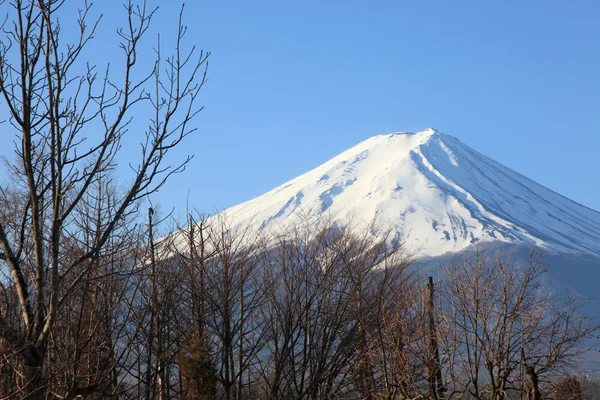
216	311
99	299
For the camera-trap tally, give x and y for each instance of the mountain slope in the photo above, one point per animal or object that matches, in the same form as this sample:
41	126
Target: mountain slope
436	193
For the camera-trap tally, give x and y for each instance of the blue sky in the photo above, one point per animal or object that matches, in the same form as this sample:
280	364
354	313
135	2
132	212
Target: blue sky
292	84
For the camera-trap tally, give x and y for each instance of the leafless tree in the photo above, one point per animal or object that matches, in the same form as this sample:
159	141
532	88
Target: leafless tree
231	313
509	333
70	120
322	285
198	369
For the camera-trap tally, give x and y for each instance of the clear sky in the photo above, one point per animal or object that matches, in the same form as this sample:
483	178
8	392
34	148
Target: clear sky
294	83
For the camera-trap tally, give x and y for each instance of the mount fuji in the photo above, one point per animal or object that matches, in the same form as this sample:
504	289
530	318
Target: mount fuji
437	194
443	201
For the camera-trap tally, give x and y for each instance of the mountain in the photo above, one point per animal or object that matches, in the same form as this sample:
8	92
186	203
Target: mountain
436	193
444	199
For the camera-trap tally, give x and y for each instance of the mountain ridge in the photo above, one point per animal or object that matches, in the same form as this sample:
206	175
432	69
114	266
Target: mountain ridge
438	194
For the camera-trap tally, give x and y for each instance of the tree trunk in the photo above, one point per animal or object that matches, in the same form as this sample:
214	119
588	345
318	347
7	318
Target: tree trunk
436	386
533	393
33	366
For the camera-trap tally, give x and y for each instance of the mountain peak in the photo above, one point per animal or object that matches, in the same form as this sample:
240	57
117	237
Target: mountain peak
428	132
434	192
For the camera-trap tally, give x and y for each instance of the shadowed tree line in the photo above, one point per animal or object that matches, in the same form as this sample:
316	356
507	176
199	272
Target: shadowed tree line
216	311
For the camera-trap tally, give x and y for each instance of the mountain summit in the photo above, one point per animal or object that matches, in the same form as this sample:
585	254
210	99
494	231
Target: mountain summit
436	193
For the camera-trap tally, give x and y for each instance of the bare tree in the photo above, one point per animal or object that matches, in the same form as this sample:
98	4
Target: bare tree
398	336
70	121
198	369
231	313
508	332
311	337
323	285
84	351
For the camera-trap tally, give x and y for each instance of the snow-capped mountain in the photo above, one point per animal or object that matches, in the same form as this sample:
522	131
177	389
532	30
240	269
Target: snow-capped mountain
436	193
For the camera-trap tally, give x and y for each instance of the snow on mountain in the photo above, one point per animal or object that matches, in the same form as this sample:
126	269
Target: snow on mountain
436	193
